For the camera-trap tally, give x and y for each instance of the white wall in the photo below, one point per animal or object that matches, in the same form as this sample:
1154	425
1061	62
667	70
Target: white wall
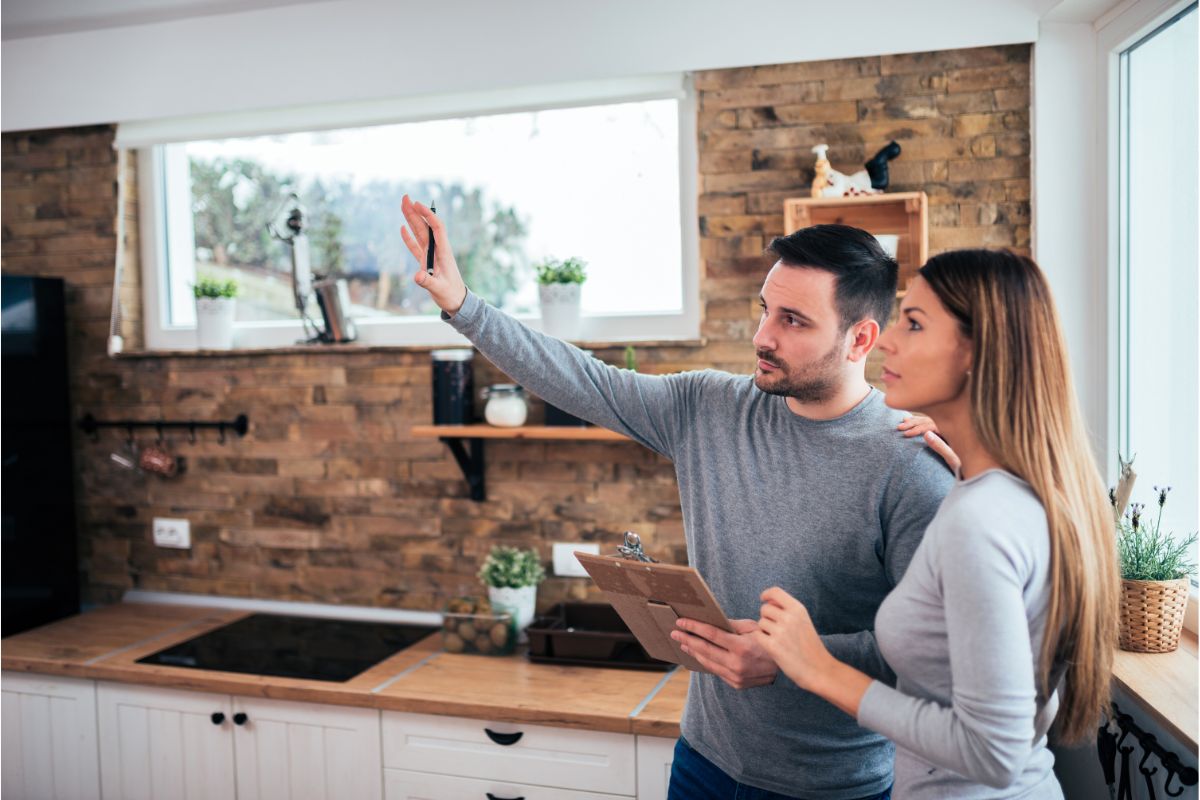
355	50
1068	208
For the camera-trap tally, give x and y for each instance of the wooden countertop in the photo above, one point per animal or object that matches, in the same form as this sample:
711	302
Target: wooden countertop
1164	685
106	643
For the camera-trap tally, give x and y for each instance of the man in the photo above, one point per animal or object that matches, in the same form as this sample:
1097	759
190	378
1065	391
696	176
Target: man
793	477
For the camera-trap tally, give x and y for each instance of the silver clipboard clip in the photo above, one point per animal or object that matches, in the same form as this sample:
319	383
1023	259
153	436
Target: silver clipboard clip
632	549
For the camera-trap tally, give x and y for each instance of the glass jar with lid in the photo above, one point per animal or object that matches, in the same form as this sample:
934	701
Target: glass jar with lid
507	406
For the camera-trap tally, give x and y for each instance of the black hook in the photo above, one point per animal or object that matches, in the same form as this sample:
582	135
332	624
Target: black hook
1147	742
221	431
1187	776
1148	745
129	434
192	431
158	426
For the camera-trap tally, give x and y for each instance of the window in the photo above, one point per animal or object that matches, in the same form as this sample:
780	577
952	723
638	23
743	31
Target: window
1157	408
609	179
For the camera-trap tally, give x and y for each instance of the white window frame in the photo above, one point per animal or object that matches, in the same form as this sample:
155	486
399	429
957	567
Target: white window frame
1116	32
164	236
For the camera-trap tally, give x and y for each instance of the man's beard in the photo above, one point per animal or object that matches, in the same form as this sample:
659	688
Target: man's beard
815	382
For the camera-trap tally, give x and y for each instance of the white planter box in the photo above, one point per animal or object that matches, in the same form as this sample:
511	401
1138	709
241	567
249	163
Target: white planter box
214	322
560	309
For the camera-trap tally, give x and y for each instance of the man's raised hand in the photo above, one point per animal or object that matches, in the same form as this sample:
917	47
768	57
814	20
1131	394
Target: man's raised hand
445	285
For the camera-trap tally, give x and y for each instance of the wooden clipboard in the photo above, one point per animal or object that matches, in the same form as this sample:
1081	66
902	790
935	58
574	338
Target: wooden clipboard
651	596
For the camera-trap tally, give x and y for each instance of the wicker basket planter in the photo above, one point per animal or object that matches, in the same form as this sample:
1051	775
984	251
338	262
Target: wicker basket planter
1152	614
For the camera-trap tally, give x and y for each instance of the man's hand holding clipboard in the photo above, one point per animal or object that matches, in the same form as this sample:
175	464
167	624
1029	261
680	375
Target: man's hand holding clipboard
675	616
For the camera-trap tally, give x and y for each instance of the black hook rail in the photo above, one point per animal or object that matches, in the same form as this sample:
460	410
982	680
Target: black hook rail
240	426
1175	768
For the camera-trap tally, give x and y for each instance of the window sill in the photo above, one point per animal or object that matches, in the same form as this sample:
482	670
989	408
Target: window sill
343	349
1164	685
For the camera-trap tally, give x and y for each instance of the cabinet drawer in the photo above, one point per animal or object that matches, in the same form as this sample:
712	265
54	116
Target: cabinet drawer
399	784
537	755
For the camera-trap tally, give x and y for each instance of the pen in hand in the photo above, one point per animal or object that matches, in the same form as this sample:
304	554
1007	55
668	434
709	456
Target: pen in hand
429	251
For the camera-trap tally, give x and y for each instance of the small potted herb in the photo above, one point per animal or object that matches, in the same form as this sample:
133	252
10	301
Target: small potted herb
216	303
559	284
1154	578
512	576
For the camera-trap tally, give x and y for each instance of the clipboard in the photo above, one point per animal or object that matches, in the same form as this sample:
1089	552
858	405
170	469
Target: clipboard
651	596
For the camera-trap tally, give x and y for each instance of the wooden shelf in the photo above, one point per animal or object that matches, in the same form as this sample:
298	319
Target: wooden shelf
532	432
904	214
466	443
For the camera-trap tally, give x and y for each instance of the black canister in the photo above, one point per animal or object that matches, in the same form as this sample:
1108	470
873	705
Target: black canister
453	387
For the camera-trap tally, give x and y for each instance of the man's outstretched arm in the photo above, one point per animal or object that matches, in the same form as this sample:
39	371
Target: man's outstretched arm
651	409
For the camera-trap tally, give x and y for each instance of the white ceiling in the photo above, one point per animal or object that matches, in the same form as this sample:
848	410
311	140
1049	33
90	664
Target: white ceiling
23	19
28	18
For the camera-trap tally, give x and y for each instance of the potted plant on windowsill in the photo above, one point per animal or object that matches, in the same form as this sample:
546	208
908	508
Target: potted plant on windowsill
1154	579
512	576
559	285
216	303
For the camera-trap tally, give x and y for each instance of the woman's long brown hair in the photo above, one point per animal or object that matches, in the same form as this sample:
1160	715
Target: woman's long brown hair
1025	412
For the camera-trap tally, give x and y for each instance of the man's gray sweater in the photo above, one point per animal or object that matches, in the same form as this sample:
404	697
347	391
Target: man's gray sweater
829	510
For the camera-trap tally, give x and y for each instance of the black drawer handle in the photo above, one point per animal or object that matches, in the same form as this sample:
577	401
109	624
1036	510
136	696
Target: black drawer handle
504	739
240	718
491	796
217	718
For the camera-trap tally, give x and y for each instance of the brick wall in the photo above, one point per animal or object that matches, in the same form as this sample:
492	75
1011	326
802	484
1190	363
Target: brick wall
329	498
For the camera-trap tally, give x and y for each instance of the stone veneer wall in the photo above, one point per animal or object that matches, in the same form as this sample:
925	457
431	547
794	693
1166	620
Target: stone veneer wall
329	498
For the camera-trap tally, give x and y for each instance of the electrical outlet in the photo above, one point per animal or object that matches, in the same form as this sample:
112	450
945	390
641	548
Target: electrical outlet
565	562
170	532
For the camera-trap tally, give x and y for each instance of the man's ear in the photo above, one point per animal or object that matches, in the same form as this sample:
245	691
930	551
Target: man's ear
861	339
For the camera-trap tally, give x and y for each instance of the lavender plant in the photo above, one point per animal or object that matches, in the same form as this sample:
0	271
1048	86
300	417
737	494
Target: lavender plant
1148	553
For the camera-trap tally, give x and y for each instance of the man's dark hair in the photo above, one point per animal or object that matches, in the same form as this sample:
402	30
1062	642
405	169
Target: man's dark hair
866	275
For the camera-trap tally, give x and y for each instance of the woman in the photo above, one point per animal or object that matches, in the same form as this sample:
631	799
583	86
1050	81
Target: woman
1014	587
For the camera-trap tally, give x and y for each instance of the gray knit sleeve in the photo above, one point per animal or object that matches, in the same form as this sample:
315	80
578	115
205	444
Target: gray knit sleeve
984	560
651	409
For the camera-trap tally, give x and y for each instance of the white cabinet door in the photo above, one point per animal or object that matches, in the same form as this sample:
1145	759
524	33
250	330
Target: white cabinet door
49	738
537	755
654	758
163	743
306	751
404	785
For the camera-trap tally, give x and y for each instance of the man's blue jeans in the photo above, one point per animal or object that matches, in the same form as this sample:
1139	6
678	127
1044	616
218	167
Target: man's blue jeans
694	777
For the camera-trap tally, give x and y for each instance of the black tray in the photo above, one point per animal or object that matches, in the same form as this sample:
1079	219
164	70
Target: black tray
587	634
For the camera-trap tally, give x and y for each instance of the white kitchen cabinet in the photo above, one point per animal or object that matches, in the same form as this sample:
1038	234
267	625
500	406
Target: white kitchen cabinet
305	751
164	743
654	758
528	755
48	727
402	784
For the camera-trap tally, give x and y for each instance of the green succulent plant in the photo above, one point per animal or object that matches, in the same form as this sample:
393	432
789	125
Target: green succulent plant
214	287
512	568
571	270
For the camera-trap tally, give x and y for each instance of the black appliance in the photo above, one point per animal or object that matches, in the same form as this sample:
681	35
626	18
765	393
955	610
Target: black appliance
40	576
293	647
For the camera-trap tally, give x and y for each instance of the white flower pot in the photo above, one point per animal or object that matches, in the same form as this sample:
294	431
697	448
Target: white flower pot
214	322
560	309
518	602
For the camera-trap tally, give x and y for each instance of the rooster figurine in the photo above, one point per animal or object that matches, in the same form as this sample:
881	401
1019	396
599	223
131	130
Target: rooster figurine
873	179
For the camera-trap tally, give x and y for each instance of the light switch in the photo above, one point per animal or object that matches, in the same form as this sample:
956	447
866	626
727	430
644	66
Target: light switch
565	563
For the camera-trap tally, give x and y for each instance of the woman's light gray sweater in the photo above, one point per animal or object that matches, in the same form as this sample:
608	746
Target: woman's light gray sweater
963	633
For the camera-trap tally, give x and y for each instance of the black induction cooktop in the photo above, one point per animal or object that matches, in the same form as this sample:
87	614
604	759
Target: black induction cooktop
292	647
